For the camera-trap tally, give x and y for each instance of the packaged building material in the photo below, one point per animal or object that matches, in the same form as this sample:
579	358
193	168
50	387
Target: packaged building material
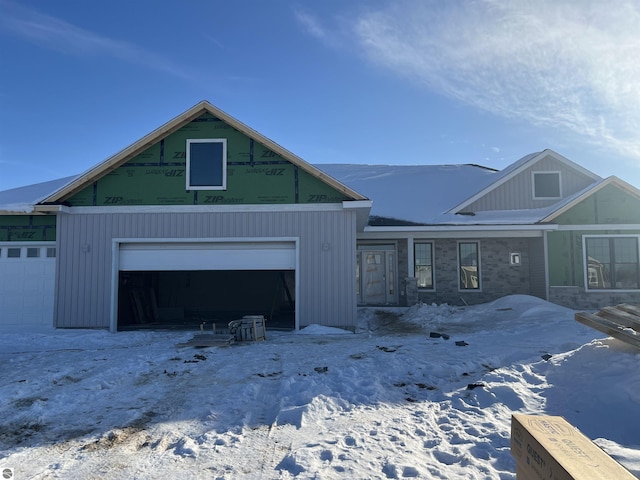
549	447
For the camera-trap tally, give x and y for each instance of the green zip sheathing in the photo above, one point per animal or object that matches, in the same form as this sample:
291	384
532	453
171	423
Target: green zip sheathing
27	228
566	259
608	206
255	175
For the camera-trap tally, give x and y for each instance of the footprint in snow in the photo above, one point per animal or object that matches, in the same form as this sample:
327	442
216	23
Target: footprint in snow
350	441
326	456
390	470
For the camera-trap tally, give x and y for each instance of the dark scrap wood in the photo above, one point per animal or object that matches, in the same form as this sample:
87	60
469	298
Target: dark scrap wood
614	321
209	340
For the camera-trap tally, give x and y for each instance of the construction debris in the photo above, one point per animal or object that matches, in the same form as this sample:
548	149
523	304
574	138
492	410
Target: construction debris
621	322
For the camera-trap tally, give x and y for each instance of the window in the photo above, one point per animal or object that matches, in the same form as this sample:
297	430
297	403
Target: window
469	264
546	185
33	252
13	252
612	263
423	264
207	164
51	252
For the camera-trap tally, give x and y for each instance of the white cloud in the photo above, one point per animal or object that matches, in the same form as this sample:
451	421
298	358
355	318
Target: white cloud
555	63
64	37
311	25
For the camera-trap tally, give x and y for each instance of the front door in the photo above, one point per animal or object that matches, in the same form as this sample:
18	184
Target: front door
376	275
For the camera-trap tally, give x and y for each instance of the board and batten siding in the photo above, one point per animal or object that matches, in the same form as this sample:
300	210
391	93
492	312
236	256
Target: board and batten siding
517	192
327	248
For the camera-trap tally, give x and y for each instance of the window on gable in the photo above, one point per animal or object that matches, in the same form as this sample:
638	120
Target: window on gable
612	263
207	164
423	264
469	265
546	185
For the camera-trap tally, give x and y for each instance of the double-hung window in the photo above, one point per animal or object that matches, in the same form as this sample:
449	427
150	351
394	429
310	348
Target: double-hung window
423	264
207	164
611	263
469	265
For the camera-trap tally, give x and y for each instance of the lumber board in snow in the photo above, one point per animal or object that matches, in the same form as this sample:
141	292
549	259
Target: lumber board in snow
609	327
621	317
627	307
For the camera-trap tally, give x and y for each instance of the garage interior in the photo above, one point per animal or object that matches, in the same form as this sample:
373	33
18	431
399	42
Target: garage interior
186	299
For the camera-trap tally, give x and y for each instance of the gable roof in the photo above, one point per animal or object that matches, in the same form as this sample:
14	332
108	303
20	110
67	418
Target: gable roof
572	201
516	168
113	162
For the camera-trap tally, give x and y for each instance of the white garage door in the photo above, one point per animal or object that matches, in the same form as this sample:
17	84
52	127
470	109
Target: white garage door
27	284
208	256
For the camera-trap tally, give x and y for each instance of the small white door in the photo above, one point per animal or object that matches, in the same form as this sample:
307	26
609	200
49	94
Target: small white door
27	284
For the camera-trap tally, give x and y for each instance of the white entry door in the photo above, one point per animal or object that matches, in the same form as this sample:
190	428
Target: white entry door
27	284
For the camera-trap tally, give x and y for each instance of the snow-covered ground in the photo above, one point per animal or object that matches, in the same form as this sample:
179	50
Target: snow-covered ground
390	401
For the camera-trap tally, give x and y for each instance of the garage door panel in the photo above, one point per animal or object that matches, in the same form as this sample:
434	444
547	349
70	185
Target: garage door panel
208	256
27	286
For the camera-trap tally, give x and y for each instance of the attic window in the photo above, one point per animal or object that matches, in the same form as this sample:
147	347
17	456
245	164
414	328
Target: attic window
207	164
546	185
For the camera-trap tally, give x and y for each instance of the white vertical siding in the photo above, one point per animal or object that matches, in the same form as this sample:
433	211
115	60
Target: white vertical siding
326	270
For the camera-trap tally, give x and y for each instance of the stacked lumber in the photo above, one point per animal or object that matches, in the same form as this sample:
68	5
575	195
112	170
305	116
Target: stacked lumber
621	322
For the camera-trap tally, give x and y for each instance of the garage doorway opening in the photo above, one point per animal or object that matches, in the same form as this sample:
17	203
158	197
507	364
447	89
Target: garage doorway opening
176	299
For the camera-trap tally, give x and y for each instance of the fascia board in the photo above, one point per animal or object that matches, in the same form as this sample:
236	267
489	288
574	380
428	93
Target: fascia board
362	209
601	226
241	208
461	228
370	234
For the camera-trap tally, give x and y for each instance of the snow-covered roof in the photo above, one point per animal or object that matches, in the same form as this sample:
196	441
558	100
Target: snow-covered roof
23	199
417	194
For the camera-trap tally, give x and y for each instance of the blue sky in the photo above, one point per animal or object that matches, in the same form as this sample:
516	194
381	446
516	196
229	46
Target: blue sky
334	81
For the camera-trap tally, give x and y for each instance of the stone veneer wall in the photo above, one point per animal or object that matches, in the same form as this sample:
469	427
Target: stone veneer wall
402	248
498	276
578	299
